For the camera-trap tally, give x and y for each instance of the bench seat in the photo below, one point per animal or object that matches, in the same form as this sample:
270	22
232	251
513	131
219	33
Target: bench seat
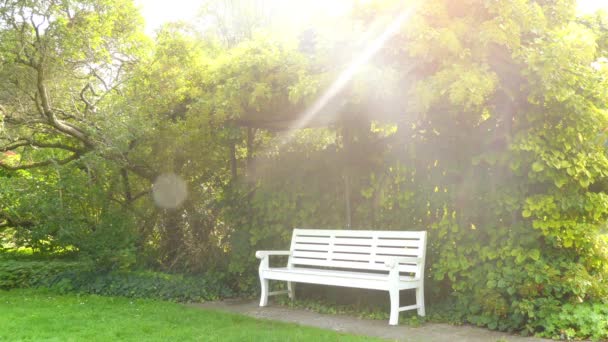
364	280
369	259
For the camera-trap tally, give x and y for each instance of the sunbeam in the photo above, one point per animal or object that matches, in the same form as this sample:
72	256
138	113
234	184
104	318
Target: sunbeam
307	116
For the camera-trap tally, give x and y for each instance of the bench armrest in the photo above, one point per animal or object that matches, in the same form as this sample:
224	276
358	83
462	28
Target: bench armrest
391	263
264	254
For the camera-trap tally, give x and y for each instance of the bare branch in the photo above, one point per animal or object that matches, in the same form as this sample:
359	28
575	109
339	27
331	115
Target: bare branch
60	125
89	107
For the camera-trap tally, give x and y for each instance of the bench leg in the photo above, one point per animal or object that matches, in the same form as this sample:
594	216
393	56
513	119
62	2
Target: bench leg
420	301
264	295
291	289
394	295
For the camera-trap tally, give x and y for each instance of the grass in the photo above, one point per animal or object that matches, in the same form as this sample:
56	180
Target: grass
38	315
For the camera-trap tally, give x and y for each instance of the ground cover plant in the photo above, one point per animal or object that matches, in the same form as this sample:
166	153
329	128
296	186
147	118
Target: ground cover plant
80	277
39	315
483	122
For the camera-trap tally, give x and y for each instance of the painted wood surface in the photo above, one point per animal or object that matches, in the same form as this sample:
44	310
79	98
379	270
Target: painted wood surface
371	259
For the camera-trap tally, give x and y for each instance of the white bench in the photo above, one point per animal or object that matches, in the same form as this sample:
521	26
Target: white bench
380	260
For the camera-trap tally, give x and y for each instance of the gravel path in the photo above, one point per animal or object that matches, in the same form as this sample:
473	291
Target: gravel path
428	332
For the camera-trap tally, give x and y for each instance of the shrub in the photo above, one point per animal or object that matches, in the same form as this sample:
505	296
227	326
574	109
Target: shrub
81	277
154	285
20	274
578	321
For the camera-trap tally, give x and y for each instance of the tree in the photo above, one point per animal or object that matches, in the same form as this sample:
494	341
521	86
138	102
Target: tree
63	64
62	61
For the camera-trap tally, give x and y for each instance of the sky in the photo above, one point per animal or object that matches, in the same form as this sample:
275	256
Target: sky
157	12
587	6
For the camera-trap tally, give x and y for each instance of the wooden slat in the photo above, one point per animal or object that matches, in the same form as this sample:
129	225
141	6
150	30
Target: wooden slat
397	256
409	307
302	239
301	254
368	249
408	268
360	233
314	233
339	264
311	247
399	243
396	251
336	273
352	264
357	242
361	257
355	249
351	256
371	249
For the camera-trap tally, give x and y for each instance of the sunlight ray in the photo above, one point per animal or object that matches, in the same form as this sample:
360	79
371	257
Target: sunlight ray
342	80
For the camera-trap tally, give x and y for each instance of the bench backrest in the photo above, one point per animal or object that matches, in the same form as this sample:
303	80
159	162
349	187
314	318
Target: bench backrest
357	249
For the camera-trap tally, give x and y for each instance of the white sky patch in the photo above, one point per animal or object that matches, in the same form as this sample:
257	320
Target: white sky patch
590	6
158	12
289	12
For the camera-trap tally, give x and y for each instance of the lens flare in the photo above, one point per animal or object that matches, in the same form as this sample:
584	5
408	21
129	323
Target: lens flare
169	191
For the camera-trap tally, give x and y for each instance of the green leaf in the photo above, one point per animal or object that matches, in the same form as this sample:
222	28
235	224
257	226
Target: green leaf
537	167
534	254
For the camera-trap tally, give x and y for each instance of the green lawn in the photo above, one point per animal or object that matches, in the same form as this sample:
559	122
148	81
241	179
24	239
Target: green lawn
34	315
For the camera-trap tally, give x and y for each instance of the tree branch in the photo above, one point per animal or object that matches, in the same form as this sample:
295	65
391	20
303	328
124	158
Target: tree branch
40	164
11	222
14	145
27	142
50	114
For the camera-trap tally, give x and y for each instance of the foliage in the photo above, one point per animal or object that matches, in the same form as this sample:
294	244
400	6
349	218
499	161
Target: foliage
64	62
63	209
483	122
24	274
578	321
82	277
519	231
148	285
39	315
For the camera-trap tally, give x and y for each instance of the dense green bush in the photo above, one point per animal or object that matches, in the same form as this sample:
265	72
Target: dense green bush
578	321
147	285
64	211
72	276
22	274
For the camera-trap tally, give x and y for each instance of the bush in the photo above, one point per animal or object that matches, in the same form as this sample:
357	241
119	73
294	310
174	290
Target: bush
578	321
23	274
80	277
81	220
162	286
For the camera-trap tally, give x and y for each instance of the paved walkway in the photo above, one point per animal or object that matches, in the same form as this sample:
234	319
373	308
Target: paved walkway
428	332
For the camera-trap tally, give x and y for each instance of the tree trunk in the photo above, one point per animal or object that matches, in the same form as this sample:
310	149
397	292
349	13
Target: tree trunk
233	164
250	150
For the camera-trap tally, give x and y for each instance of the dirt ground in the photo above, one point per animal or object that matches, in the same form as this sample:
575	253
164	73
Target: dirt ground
428	332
